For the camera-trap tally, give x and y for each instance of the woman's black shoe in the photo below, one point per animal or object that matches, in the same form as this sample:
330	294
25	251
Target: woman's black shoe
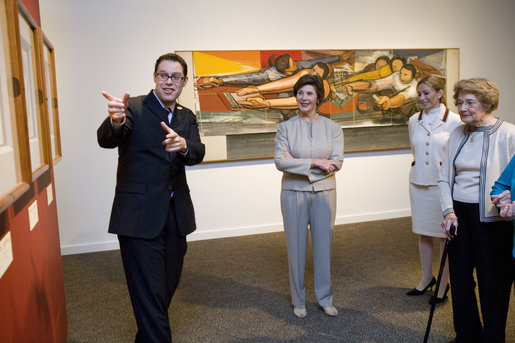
436	300
415	291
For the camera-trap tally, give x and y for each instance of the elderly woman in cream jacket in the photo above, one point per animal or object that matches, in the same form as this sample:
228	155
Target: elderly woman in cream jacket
476	155
309	150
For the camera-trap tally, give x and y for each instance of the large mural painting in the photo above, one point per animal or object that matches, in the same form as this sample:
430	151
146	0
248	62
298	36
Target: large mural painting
240	96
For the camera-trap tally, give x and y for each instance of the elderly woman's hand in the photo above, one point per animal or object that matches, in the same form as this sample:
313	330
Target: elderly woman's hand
450	219
506	210
499	199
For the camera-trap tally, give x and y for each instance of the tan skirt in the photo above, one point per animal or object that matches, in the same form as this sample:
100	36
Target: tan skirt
426	212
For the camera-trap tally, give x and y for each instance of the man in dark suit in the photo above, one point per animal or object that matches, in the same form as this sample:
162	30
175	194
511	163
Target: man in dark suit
152	210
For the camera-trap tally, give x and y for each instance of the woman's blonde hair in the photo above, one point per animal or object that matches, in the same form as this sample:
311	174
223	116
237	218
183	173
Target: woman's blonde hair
435	82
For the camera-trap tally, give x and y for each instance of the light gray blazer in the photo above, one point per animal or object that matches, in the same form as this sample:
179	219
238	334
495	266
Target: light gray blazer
322	138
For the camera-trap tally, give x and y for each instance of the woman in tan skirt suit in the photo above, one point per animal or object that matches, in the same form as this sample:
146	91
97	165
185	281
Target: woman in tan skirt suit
429	132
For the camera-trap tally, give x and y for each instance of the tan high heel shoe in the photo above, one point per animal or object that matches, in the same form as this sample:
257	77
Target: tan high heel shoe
330	311
300	312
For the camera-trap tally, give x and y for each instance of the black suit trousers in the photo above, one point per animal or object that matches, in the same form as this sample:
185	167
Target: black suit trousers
485	247
153	269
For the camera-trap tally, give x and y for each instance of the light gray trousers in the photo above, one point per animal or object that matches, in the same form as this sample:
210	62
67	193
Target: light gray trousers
318	210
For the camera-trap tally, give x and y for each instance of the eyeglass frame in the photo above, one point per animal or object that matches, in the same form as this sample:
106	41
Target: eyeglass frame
467	103
174	77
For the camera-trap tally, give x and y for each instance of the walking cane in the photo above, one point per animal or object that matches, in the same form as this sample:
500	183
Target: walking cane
452	231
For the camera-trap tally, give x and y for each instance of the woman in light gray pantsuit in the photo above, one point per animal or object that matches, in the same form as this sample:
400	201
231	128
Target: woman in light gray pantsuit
309	150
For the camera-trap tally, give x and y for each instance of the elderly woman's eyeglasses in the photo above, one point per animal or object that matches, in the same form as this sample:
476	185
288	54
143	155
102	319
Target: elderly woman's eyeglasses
467	103
176	78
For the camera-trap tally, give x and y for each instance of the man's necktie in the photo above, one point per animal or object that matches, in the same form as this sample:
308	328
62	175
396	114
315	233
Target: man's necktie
169	115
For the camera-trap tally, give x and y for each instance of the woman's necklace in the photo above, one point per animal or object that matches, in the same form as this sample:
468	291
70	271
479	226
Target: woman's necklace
472	135
474	131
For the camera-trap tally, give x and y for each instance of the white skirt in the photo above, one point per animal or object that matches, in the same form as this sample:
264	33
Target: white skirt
426	211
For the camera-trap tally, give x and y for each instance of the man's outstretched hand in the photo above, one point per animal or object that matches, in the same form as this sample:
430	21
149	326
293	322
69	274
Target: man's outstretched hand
116	107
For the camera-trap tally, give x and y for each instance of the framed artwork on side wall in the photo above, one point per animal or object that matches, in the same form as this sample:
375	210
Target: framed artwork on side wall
241	96
51	100
32	78
9	172
29	120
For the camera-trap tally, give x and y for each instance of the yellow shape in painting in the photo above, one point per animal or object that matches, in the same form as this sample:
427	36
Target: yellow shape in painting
208	64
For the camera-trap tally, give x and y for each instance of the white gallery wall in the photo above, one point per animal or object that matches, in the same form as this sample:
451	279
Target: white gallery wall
112	45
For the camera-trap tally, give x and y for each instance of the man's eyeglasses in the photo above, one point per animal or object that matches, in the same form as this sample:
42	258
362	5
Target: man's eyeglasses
176	78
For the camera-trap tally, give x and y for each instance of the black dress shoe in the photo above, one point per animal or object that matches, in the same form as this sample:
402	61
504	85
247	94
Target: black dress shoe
437	300
415	291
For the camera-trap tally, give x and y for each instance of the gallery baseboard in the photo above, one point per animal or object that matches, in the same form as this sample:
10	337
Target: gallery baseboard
367	217
234	232
90	247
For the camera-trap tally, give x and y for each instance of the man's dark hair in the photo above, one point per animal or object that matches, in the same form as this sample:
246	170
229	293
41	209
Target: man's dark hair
172	57
315	81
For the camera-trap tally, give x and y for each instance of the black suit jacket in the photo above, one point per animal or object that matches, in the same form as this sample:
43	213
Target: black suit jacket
148	174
